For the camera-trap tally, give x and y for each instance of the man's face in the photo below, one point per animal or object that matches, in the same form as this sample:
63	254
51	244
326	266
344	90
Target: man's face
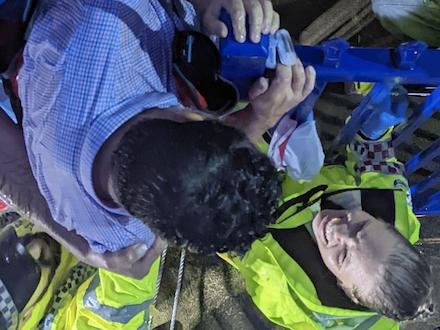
354	246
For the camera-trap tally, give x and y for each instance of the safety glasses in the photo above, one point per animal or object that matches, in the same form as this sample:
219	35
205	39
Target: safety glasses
196	61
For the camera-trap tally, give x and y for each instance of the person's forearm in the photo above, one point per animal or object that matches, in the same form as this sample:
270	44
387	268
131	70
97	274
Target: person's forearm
18	184
199	5
76	245
245	120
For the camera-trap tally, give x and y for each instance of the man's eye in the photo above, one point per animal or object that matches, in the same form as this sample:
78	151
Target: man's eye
360	227
342	257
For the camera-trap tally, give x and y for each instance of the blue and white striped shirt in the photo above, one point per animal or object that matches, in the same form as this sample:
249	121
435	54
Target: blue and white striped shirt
89	66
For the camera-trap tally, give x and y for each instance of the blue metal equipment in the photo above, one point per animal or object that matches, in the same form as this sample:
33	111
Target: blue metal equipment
336	61
244	63
425	194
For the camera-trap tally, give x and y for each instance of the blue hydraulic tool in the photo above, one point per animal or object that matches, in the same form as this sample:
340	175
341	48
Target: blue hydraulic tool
244	63
333	60
336	61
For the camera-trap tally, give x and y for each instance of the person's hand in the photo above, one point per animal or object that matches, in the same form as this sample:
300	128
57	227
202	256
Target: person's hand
269	102
262	18
134	261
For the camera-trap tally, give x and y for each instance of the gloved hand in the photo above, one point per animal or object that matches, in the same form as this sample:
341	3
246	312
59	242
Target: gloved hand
304	111
389	108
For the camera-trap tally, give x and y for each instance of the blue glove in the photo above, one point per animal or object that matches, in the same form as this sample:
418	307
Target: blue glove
389	106
304	111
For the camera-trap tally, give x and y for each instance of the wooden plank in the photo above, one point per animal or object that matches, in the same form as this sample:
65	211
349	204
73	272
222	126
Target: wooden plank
356	23
333	19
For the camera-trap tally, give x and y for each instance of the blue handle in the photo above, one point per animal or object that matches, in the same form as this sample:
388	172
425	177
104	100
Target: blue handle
242	63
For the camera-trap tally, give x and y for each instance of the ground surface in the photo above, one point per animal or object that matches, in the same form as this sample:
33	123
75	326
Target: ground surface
213	295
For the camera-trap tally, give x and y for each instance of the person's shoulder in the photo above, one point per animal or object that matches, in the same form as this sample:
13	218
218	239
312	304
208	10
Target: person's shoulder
58	23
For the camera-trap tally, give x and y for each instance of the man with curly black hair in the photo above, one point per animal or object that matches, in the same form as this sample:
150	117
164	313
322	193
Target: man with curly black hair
219	194
123	82
123	159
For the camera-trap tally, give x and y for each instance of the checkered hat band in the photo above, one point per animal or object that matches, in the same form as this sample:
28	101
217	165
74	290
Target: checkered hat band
8	310
77	275
377	151
381	167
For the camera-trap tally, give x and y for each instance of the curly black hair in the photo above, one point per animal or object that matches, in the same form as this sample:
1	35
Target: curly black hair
197	183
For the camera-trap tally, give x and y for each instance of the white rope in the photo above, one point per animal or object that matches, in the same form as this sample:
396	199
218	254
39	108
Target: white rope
158	282
178	287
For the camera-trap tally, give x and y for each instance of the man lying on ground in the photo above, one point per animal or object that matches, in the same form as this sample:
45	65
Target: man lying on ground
340	253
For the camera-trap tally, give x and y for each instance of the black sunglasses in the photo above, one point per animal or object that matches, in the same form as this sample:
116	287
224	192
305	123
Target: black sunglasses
196	61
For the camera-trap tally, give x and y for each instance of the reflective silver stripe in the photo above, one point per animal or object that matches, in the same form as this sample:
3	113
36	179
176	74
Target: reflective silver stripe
146	325
8	310
368	323
112	314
